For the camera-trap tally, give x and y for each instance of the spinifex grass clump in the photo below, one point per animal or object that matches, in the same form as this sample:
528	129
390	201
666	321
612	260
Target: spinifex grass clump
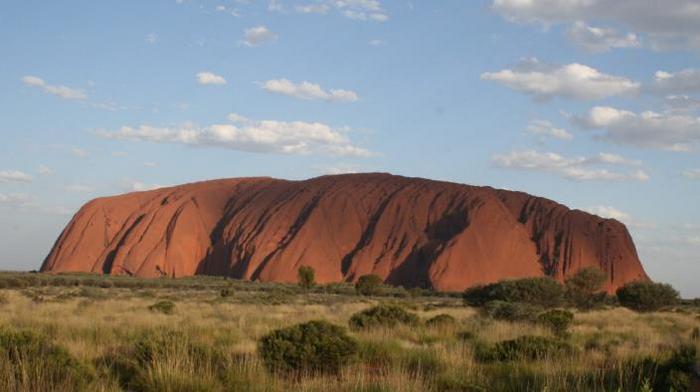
168	360
524	348
511	311
165	307
30	362
308	348
382	316
441	320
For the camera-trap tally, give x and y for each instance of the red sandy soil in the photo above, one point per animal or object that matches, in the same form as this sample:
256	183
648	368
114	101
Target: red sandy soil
409	231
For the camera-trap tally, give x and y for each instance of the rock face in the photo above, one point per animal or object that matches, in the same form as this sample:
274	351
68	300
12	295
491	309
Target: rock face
409	231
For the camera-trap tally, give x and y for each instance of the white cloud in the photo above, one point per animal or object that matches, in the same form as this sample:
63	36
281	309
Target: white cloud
577	169
208	78
138	186
120	154
600	39
16	200
576	81
79	152
670	24
152	38
693	174
258	35
308	90
546	128
261	136
44	170
79	188
608	212
377	42
150	164
681	82
666	131
313	8
274	6
682	103
60	91
14	176
363	10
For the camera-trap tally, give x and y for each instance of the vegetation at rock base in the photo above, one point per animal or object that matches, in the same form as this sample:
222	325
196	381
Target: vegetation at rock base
80	332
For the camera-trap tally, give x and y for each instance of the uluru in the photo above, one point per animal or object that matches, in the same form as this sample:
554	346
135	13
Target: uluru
411	232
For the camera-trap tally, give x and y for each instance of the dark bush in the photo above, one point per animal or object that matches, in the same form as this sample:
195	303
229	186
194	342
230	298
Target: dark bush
165	307
368	285
511	311
524	348
647	296
4	299
382	316
676	373
306	277
583	289
441	320
225	292
313	347
558	320
544	292
36	364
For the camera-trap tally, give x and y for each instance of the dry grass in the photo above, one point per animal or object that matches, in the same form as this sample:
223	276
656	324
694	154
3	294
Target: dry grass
106	322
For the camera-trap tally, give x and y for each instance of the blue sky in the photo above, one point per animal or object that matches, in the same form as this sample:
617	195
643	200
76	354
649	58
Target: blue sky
593	104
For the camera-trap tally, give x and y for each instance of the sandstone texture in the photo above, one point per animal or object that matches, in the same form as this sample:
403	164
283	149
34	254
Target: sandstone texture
410	231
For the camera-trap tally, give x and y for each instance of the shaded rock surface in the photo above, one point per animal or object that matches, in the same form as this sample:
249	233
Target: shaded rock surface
409	231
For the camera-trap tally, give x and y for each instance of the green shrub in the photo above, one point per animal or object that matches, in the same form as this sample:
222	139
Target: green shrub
307	277
312	347
647	296
544	292
30	362
382	316
583	289
441	320
510	311
676	373
368	285
558	320
165	307
524	348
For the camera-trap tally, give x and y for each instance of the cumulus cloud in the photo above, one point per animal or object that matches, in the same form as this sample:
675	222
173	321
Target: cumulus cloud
672	24
152	38
243	134
14	176
547	129
576	81
666	131
258	35
79	152
138	186
682	103
600	39
205	78
16	200
577	168
682	82
44	170
608	212
308	90
693	174
59	91
313	8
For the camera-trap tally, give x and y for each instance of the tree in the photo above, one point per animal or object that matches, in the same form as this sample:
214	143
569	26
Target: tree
545	292
306	277
368	285
583	289
647	296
